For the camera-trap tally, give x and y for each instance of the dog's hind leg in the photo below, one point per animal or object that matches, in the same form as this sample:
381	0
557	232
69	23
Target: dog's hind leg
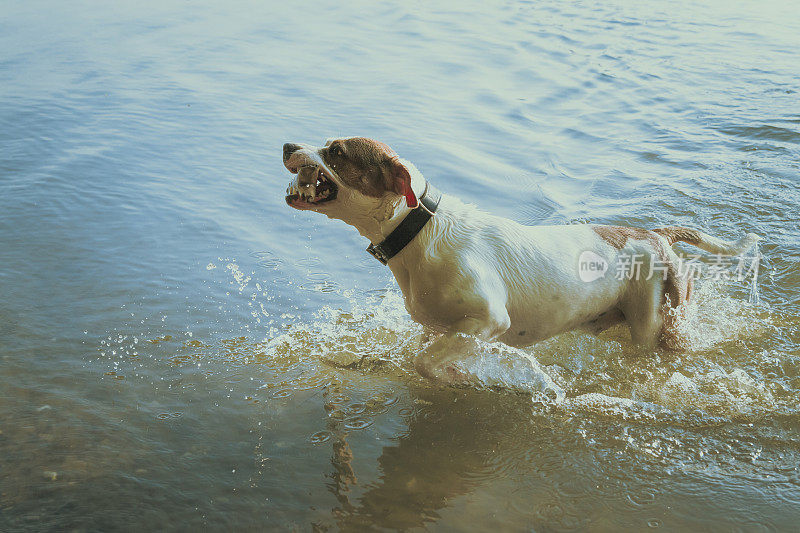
677	291
642	312
654	306
655	309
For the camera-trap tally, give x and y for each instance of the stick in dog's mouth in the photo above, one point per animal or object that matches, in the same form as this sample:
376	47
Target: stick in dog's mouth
311	187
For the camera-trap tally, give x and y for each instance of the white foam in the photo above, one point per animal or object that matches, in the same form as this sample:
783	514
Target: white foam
377	329
499	366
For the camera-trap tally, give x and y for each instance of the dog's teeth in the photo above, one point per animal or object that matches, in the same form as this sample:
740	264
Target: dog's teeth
294	190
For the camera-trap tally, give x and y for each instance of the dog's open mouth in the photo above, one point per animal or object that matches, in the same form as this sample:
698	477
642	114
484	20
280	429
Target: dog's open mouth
312	187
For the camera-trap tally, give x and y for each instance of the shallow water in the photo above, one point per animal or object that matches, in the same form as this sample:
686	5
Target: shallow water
180	349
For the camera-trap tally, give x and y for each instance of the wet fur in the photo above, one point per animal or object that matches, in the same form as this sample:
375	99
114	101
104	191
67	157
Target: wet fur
469	274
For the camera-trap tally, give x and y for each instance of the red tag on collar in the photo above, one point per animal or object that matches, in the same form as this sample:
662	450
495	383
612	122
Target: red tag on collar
411	198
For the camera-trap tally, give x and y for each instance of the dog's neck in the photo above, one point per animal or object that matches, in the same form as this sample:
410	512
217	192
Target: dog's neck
375	218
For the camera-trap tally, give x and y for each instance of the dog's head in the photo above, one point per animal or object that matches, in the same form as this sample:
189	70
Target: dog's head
345	174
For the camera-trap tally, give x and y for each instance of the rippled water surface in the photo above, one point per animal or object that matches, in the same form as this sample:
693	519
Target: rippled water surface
178	349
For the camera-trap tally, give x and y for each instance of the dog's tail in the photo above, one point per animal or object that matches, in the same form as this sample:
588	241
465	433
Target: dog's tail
707	242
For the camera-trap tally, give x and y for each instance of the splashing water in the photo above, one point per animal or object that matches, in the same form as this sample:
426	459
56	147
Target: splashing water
753	297
605	375
376	333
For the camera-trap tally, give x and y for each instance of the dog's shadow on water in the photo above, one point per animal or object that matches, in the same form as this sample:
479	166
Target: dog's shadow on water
455	441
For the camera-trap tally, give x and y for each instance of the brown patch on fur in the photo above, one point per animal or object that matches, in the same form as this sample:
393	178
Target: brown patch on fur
676	288
674	234
617	236
363	164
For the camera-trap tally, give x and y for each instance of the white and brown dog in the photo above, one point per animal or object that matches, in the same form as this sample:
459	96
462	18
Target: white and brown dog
465	273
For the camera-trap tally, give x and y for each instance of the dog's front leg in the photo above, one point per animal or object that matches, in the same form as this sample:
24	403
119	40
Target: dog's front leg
457	342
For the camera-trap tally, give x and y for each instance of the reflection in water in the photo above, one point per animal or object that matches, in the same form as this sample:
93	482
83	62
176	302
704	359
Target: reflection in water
568	472
445	451
630	417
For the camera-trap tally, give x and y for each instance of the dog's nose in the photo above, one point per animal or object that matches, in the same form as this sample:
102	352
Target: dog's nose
289	149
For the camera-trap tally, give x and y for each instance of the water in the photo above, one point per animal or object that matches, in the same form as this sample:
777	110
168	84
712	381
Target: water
179	349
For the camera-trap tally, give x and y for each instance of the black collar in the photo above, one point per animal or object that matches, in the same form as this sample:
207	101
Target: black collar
409	227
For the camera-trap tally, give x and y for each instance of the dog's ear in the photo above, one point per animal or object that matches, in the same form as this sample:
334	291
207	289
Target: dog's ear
401	182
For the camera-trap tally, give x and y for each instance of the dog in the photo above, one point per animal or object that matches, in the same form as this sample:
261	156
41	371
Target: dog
467	274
